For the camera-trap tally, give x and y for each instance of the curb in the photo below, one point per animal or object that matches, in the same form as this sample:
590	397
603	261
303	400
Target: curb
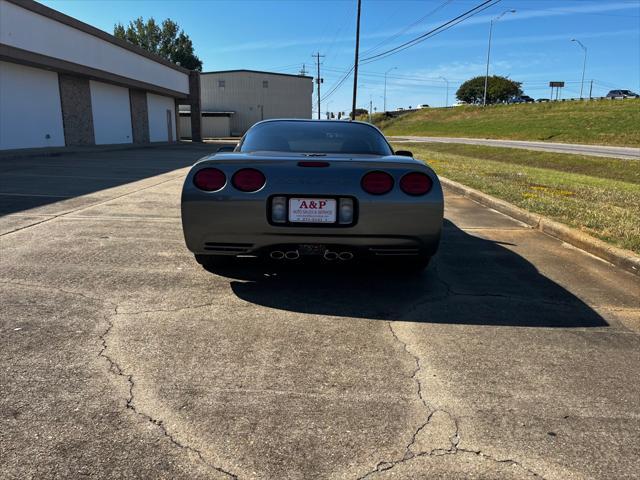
622	258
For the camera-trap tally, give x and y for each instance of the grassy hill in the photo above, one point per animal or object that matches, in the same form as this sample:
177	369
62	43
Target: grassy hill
600	196
599	122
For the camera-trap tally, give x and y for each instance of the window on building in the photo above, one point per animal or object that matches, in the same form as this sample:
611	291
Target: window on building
265	84
221	83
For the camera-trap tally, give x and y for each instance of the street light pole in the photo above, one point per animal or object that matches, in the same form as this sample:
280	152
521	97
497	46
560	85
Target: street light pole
355	63
446	104
584	64
486	77
385	87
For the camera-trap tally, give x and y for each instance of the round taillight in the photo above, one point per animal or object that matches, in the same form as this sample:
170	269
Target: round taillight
416	183
209	179
377	183
248	180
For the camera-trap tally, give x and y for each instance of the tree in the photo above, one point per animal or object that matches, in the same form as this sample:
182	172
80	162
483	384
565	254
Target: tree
499	89
166	40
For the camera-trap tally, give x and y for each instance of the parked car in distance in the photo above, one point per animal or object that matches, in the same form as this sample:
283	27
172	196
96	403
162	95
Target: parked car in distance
542	100
294	189
622	94
423	105
522	99
399	109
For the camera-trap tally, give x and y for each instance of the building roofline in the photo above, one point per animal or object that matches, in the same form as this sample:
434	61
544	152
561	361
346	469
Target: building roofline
40	9
257	71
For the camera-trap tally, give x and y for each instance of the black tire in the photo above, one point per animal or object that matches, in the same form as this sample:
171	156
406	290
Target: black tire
210	262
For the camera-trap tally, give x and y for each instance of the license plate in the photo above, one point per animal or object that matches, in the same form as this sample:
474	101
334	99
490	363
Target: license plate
312	210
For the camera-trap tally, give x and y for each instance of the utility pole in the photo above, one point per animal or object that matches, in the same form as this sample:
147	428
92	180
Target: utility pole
355	64
486	77
370	107
591	90
385	87
446	104
318	79
303	72
584	64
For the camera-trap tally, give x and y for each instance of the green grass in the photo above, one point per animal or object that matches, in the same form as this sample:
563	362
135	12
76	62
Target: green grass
599	122
600	196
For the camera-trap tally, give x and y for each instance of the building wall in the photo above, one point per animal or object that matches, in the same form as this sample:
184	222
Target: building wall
111	113
245	94
30	111
26	30
216	127
77	117
159	125
139	116
67	83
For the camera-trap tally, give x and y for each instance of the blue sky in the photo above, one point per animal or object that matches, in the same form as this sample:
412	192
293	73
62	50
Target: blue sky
532	46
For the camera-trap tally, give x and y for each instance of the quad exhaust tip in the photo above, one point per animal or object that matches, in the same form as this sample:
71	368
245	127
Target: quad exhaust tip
344	256
277	255
329	255
292	255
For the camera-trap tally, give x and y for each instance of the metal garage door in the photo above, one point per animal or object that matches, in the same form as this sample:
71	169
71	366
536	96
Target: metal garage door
111	113
30	112
162	116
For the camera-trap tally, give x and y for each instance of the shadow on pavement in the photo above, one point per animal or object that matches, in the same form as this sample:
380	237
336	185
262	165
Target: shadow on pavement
35	181
471	281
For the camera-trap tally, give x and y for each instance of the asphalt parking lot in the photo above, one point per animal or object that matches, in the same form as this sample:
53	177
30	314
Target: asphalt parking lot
512	356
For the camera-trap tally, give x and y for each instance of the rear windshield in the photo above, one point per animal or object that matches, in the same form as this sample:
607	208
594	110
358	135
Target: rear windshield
315	137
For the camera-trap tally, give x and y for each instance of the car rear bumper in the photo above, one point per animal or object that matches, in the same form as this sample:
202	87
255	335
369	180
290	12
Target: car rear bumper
232	227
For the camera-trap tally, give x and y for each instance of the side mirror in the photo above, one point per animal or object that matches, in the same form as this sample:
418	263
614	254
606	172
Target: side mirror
404	153
226	148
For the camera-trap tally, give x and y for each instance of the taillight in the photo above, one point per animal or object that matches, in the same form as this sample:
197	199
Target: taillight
209	179
377	183
416	183
248	180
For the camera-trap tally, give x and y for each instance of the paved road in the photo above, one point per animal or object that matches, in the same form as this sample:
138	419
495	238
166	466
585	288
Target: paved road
628	153
512	356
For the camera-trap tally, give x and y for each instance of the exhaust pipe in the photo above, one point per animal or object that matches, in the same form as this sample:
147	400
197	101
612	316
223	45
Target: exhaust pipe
345	256
329	255
292	255
277	255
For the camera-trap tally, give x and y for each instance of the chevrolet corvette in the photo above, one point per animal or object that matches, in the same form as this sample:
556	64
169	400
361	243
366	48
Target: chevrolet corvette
295	189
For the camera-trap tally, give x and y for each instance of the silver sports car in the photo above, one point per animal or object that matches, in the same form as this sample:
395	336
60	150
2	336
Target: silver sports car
333	190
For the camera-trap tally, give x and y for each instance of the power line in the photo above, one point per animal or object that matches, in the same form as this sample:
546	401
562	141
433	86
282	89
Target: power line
445	26
405	29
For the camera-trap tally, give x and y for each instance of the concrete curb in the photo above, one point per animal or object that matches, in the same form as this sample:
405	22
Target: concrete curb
622	258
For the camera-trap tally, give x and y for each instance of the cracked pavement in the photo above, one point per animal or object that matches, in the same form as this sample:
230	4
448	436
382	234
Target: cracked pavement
512	356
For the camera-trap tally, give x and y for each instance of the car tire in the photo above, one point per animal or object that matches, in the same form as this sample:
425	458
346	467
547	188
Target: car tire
210	262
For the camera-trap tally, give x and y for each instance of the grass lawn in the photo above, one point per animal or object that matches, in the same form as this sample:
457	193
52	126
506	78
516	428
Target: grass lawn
600	196
599	122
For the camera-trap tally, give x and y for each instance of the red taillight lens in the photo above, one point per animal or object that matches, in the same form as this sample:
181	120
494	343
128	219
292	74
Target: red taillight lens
209	179
377	183
416	183
248	180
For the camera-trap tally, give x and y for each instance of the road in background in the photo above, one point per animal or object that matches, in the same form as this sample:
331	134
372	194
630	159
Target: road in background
513	356
627	153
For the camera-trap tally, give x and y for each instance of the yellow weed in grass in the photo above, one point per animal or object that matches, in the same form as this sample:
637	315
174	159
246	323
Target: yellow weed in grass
553	191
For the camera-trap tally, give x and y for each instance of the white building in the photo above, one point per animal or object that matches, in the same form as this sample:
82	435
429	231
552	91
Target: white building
233	100
65	83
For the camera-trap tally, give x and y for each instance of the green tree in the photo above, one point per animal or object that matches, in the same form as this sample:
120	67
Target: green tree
499	89
166	40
